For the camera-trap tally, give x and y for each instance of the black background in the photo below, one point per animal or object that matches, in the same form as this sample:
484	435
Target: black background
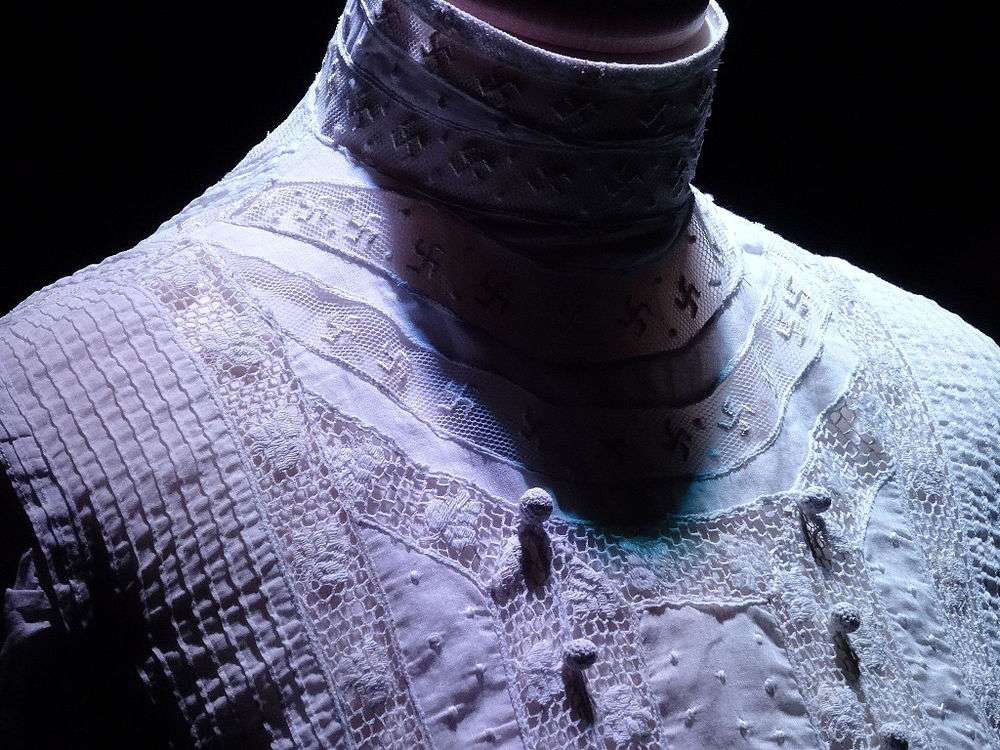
861	130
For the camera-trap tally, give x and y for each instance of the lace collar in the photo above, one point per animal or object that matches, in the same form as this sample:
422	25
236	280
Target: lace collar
415	211
508	132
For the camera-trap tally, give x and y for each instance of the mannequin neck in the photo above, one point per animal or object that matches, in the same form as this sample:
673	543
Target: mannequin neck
651	32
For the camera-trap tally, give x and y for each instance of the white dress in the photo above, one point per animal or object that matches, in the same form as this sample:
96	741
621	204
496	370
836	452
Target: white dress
455	417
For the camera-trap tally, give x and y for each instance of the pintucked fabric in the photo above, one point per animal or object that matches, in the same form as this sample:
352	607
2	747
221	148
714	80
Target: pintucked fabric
456	417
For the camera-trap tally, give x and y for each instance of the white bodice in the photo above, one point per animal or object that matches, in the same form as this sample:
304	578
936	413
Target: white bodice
454	417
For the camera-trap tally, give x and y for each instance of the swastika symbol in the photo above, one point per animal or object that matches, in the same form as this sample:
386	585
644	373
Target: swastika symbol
677	440
458	403
688	297
430	258
733	413
393	363
637	315
787	327
493	293
796	297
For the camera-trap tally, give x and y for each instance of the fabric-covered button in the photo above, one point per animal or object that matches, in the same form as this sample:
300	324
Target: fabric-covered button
895	737
814	501
536	506
845	618
580	653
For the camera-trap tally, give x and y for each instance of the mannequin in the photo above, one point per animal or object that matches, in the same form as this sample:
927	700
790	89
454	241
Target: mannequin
456	416
647	29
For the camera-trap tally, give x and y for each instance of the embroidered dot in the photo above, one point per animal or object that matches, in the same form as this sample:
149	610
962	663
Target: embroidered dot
845	618
580	653
674	659
753	247
770	686
414	577
744	727
536	506
479	671
721	676
780	737
758	639
435	641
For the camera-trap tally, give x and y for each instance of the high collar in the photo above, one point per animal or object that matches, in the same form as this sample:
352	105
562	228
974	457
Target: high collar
508	133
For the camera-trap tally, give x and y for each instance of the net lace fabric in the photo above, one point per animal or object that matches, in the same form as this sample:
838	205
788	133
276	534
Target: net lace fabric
633	133
276	433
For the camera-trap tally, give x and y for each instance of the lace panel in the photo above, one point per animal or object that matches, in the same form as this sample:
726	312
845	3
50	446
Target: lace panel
573	316
888	403
456	522
938	508
711	437
321	551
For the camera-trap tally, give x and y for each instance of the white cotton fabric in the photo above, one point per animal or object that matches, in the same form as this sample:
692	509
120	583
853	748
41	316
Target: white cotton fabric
305	434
